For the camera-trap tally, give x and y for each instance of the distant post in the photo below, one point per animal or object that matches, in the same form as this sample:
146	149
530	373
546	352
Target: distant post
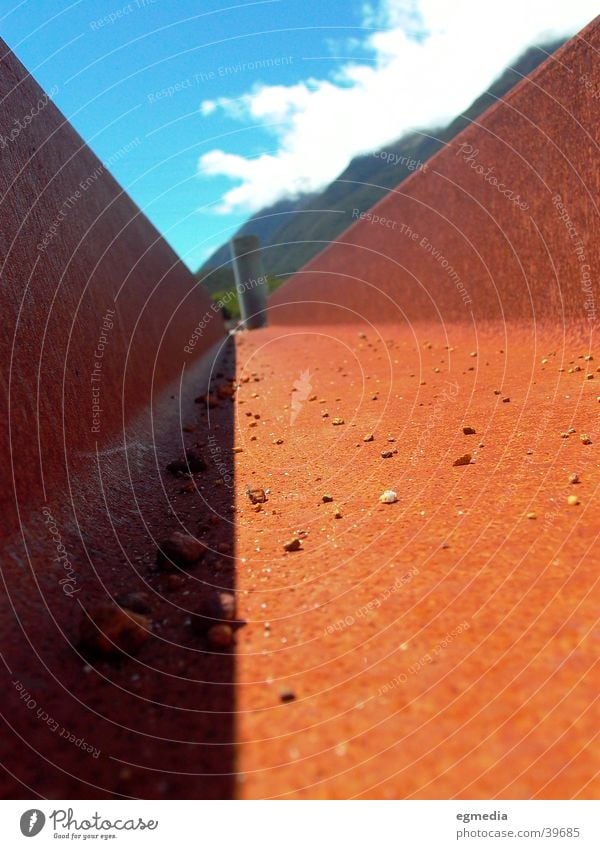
250	281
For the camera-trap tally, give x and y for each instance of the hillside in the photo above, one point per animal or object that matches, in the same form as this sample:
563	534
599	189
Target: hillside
293	231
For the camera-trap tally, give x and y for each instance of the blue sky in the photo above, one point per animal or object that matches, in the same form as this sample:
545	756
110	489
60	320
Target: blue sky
230	106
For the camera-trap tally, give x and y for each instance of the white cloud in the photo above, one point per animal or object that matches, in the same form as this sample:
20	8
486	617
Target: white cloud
432	58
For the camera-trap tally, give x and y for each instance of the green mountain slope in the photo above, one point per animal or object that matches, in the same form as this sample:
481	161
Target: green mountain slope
294	231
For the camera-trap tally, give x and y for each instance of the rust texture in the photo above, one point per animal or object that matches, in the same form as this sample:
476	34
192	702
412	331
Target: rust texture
443	645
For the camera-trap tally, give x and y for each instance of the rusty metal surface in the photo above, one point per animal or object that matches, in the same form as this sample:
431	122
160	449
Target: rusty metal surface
444	645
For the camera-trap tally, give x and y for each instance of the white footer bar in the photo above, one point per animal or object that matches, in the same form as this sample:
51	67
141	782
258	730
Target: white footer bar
302	825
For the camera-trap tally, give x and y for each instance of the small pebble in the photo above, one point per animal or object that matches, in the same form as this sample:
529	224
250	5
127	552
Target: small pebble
585	438
215	608
388	497
211	401
462	461
469	431
138	602
256	496
174	582
327	499
368	438
572	500
387	454
220	635
225	390
179	549
532	515
574	477
193	463
109	630
337	421
292	545
286	695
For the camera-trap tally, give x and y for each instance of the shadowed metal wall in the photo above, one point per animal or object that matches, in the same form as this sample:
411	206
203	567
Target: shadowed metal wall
96	307
104	348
